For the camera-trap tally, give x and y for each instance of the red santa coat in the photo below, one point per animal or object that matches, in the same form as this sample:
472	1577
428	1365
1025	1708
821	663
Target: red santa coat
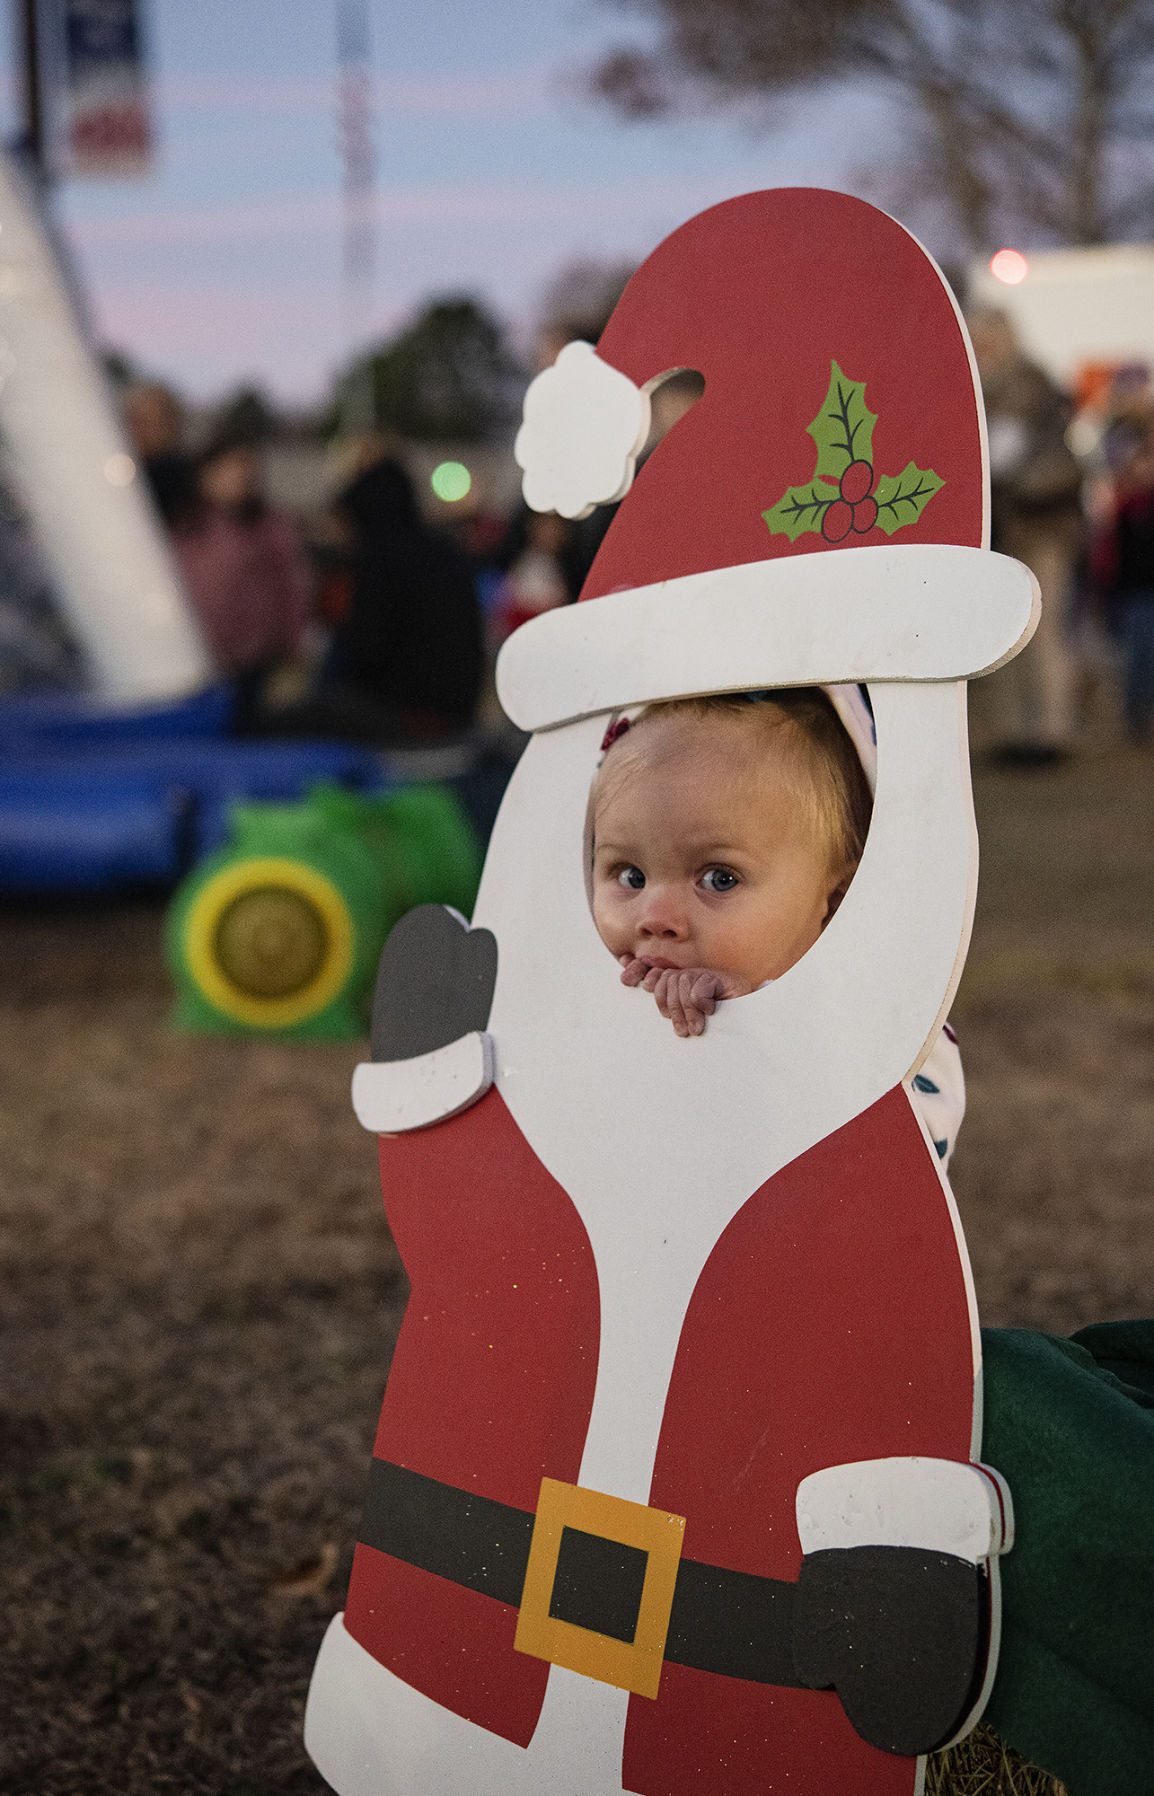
492	1385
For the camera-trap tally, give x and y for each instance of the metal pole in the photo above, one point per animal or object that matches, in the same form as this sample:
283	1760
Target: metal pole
33	143
354	94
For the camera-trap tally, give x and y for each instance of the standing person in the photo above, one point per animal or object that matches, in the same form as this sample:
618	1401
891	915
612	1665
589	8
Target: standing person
1124	565
1035	495
155	424
245	569
407	659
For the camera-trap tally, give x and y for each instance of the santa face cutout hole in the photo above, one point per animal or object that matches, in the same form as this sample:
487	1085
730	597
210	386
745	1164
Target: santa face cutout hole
723	834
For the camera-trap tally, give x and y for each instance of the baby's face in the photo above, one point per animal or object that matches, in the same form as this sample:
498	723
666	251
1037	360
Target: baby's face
701	859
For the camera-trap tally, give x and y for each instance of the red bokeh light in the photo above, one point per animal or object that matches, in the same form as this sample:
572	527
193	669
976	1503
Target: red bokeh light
1010	266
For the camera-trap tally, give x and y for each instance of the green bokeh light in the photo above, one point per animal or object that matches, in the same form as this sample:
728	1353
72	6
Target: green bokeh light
451	480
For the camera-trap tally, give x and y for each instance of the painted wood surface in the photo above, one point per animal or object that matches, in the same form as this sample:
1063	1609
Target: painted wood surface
391	1097
918	612
691	1275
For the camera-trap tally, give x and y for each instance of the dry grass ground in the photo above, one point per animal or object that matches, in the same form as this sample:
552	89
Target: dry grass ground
200	1293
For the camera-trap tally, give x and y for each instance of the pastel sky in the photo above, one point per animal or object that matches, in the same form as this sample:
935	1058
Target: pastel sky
224	264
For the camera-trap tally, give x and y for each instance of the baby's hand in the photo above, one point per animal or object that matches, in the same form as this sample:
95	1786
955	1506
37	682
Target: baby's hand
686	995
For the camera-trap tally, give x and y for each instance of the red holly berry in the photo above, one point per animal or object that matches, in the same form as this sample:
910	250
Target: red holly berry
865	516
837	522
856	482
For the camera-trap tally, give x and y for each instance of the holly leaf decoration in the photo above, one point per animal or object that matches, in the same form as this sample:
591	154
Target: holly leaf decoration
846	501
902	498
844	427
800	509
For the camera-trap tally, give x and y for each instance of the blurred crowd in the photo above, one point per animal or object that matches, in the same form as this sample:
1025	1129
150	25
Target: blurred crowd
1072	496
376	616
359	617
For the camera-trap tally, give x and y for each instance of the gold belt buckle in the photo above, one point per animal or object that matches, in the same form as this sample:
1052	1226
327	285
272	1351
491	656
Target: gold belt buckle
631	1664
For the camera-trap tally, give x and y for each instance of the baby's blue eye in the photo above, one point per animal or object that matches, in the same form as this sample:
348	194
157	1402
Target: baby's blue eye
719	879
632	877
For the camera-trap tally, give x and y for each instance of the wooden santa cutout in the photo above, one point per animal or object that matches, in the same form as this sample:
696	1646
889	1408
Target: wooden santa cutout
675	1486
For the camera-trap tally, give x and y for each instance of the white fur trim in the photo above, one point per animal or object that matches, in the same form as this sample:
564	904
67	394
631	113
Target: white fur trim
392	1096
584	426
371	1734
940	1505
916	611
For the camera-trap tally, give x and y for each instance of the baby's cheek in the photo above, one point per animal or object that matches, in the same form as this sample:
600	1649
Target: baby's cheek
607	919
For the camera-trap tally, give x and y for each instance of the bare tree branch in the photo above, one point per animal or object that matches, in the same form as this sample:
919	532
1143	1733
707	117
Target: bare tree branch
1020	105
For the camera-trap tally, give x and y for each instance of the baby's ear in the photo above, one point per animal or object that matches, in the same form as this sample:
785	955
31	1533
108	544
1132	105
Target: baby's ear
837	892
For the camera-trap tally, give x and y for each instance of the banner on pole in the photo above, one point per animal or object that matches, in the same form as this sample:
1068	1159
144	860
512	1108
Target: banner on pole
107	128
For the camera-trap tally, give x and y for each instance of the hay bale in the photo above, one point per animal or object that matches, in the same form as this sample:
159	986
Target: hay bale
983	1765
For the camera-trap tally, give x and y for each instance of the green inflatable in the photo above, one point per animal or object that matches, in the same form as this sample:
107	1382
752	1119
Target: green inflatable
280	931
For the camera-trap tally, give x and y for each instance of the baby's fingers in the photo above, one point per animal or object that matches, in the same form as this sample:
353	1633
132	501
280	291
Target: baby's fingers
683	1013
660	983
704	991
633	971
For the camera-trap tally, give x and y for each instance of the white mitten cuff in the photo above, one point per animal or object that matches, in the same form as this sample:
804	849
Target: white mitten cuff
939	1505
391	1097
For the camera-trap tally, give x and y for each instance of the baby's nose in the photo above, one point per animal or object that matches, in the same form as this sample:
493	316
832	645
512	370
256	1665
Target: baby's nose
663	915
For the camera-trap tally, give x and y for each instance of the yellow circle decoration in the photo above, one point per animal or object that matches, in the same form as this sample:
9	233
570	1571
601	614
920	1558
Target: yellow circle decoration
269	941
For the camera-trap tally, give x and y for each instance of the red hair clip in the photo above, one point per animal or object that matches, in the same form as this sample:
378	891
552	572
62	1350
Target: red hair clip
617	728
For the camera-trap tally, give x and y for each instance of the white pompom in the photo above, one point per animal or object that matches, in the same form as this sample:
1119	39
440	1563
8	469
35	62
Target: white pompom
584	425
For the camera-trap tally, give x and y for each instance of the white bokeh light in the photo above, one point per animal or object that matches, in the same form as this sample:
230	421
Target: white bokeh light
120	469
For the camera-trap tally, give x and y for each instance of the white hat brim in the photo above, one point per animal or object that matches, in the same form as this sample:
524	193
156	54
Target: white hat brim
916	611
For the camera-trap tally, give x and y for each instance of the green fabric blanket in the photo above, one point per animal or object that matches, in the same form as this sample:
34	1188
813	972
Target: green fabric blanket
1070	1425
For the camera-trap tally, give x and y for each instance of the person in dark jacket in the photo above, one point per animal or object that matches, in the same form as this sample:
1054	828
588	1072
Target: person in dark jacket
1124	566
155	424
410	649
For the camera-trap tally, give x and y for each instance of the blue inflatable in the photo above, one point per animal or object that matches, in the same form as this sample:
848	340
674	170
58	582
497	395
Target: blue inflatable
74	719
93	799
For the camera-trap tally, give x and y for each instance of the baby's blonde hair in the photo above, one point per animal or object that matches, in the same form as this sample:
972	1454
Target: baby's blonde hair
819	758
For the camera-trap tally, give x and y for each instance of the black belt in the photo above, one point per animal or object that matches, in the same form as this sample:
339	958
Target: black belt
730	1622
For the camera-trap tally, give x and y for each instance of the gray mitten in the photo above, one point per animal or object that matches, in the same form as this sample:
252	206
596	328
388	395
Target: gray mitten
435	983
900	1633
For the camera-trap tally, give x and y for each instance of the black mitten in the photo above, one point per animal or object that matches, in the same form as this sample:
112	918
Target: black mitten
435	983
901	1634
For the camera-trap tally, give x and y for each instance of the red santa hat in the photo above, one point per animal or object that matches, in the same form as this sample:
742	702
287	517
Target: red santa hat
818	516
